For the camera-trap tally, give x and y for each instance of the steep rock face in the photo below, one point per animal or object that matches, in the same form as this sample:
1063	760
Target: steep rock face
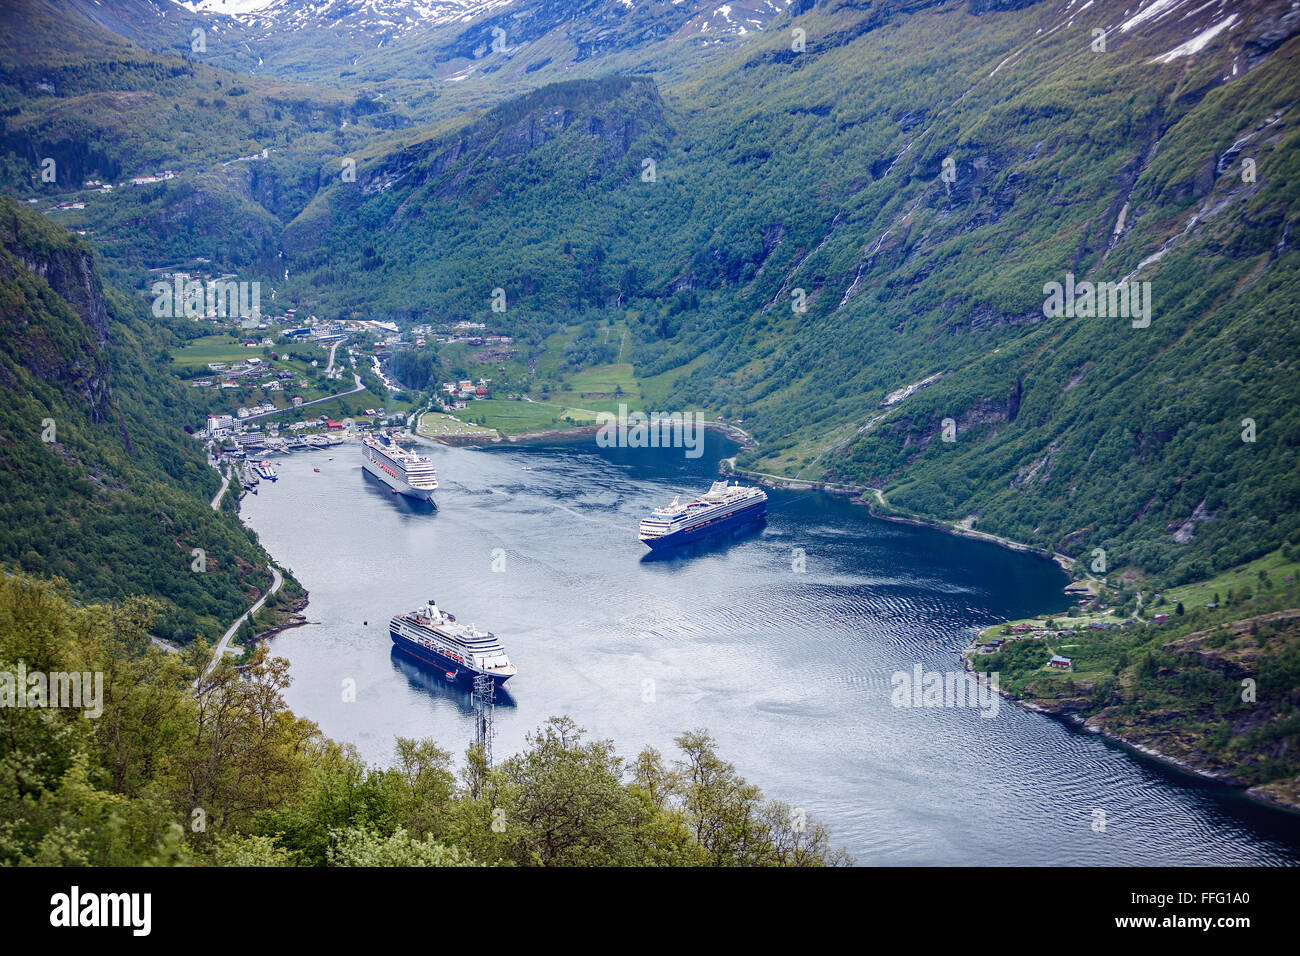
99	483
70	355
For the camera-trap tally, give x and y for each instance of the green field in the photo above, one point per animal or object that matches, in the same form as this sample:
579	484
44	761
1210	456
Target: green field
213	348
596	388
517	418
438	425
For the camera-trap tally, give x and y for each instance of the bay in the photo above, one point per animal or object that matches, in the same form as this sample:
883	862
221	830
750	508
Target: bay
790	670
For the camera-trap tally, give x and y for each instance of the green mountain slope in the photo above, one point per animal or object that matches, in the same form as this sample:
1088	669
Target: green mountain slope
799	225
817	177
99	484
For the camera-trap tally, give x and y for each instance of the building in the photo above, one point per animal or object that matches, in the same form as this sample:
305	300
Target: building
297	401
1061	663
220	424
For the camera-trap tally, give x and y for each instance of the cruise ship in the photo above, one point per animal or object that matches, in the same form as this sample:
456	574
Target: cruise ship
721	508
404	471
462	651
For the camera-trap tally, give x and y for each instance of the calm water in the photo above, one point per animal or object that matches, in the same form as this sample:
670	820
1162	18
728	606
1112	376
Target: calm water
789	671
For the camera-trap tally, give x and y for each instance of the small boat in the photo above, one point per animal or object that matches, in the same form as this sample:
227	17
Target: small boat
451	675
315	469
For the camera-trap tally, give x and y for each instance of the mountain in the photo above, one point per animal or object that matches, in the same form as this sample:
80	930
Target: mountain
595	26
476	51
843	228
100	485
823	173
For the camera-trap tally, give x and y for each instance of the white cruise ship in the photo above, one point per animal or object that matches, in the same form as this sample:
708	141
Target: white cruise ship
462	651
404	471
722	507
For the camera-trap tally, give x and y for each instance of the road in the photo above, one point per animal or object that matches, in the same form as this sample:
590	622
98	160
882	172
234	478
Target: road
333	348
224	643
225	483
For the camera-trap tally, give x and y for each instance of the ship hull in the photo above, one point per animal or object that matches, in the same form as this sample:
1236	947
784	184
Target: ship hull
734	520
447	665
402	487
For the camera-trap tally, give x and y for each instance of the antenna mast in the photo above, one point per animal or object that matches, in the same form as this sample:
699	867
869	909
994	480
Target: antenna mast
484	704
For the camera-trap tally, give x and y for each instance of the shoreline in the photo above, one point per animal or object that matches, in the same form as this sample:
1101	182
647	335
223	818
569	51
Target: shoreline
863	494
294	613
575	432
1133	747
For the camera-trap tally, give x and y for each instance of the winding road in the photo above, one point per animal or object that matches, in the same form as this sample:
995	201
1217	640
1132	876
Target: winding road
224	644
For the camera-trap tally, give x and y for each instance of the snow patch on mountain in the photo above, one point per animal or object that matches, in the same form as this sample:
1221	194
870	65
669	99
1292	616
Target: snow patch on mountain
1198	42
735	18
387	16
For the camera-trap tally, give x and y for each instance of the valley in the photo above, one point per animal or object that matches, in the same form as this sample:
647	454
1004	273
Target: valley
1023	272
